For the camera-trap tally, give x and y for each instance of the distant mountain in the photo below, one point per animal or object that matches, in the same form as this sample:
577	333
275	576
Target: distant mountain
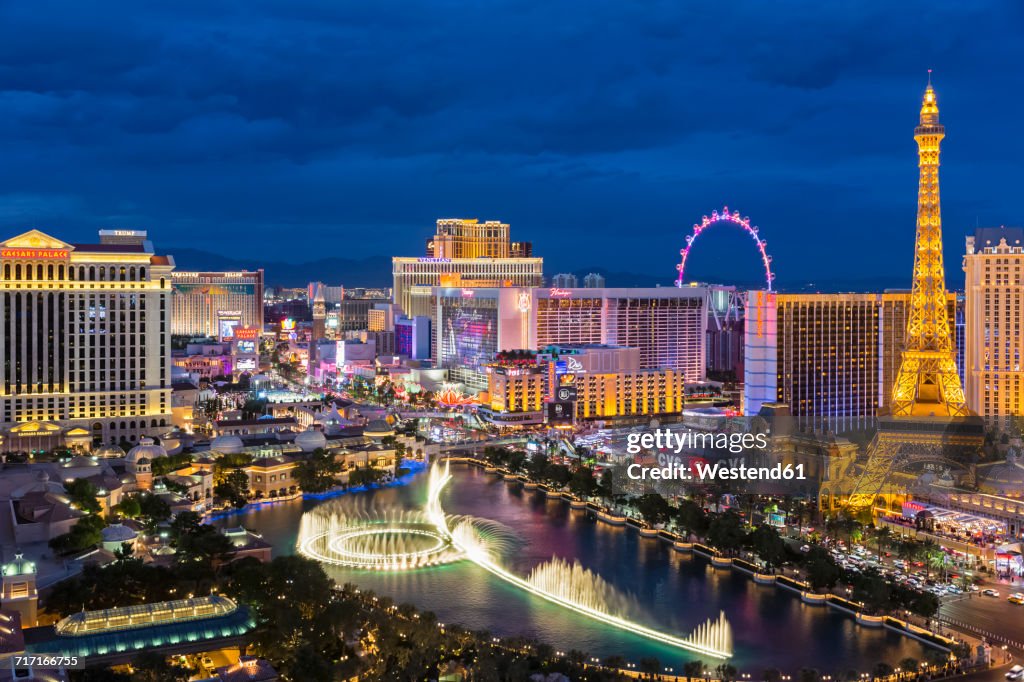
367	272
375	271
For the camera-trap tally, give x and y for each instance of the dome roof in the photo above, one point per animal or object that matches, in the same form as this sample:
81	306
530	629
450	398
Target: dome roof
145	452
378	428
171	442
82	461
118	533
310	439
227	444
110	451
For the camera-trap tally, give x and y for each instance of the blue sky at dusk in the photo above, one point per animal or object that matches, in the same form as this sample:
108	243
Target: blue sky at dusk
600	130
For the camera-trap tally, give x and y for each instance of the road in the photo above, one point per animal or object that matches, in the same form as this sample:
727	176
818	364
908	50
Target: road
997	619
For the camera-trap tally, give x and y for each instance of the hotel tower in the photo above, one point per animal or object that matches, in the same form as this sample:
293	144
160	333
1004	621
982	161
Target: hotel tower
85	342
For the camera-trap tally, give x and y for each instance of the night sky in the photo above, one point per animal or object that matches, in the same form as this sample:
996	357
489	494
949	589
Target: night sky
600	130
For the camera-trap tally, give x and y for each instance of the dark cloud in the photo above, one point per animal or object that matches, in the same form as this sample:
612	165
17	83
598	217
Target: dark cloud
600	131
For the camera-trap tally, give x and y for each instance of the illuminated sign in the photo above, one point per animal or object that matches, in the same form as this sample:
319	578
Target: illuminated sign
573	365
565	394
560	414
433	260
245	364
468	293
523	302
246	346
287	324
41	254
247	333
555	292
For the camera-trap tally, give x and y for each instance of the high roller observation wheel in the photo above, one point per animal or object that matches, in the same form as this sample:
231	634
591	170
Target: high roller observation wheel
726	217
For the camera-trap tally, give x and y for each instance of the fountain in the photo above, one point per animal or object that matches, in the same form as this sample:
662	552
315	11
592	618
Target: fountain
411	540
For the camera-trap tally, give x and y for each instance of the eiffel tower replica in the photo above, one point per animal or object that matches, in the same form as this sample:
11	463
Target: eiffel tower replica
928	420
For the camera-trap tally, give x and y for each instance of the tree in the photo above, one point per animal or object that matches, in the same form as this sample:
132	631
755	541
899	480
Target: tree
82	494
726	672
653	508
822	570
84	534
234	487
726	532
153	667
153	511
536	467
365	476
582	482
694	669
692	518
771	675
318	472
767	544
128	507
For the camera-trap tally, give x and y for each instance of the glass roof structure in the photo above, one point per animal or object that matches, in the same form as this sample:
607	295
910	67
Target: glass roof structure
146	626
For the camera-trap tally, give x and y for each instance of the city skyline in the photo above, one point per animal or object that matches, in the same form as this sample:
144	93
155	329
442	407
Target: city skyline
572	142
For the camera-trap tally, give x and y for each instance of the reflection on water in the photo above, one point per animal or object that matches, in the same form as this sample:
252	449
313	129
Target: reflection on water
676	592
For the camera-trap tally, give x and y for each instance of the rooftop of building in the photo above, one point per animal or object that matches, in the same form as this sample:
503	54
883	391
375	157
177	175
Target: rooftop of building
160	625
990	237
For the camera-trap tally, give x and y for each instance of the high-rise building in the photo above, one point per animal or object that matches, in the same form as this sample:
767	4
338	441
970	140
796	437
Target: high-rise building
667	325
829	356
464	253
214	303
564	280
994	275
412	337
593	280
578	382
86	340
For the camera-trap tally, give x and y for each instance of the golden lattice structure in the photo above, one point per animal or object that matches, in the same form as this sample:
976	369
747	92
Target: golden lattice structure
928	383
929	420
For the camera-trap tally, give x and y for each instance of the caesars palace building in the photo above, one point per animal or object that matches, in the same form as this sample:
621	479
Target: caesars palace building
85	342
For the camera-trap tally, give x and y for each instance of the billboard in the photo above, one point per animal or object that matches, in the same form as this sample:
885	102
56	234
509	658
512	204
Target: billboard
246	347
560	414
245	365
565	394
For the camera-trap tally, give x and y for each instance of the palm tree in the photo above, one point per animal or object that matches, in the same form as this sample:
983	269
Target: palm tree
883	539
693	669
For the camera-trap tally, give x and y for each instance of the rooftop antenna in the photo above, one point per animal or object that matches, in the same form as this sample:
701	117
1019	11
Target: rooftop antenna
929	78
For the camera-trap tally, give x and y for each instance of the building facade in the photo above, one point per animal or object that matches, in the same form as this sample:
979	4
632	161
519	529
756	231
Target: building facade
994	290
832	356
214	303
666	325
86	338
464	253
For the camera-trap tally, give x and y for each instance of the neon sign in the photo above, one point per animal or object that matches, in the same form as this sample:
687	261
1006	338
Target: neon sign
42	254
468	293
555	292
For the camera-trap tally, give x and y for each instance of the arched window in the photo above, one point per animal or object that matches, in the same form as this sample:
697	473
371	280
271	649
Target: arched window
39	271
49	272
124	273
142	273
7	270
17	271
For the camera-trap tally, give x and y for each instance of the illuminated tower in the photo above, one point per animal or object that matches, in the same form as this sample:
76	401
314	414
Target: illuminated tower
928	383
319	330
929	424
319	315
